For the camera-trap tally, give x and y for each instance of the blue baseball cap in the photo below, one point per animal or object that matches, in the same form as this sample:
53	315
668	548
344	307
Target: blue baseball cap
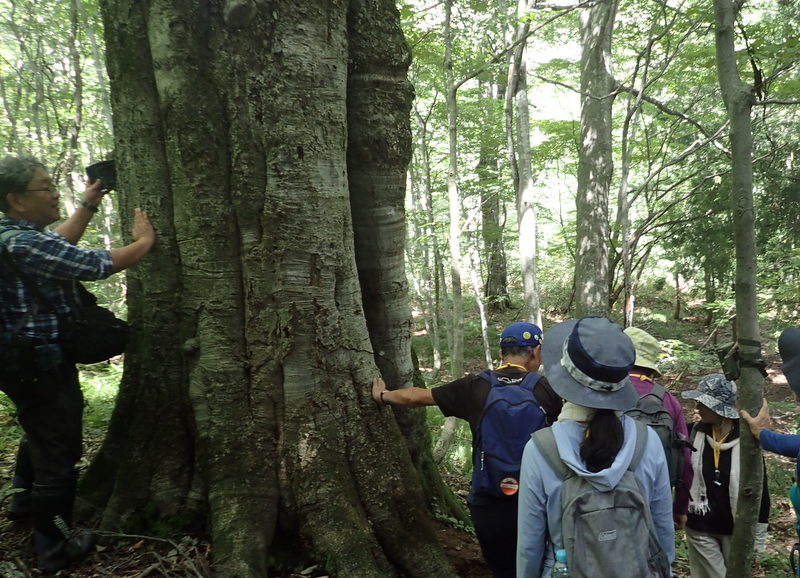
521	334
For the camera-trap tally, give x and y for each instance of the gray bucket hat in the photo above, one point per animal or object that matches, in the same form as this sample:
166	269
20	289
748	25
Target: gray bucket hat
789	348
717	394
587	362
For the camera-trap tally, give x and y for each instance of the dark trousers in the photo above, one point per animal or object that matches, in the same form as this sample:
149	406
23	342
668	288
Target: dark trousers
50	411
496	529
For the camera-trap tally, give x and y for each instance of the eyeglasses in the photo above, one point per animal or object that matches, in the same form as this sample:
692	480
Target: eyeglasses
51	189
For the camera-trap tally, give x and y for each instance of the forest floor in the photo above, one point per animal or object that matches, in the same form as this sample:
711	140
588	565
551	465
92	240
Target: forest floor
124	556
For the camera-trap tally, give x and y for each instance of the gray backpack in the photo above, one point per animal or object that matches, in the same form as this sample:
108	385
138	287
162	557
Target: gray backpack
605	533
650	411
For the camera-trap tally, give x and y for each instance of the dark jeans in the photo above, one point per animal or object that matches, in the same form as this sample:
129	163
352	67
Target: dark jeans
50	411
496	530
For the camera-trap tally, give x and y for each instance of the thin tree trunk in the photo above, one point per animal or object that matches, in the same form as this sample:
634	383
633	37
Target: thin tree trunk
99	70
74	127
517	107
456	338
739	100
430	268
496	286
676	314
476	288
624	217
454	204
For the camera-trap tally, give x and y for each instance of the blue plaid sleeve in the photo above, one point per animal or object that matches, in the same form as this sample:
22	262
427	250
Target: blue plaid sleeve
50	255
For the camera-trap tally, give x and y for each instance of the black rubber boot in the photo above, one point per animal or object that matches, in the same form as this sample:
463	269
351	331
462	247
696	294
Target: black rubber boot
56	545
51	557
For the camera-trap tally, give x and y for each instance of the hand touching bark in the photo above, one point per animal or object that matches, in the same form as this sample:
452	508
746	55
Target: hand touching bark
142	228
759	422
378	387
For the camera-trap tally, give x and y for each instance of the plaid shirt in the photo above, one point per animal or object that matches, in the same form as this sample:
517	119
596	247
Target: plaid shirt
54	264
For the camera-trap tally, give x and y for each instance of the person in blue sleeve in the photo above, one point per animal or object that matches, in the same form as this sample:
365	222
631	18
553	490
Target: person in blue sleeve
783	444
43	384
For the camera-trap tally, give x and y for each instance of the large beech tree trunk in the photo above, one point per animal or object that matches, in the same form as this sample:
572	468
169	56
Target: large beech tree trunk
245	408
378	152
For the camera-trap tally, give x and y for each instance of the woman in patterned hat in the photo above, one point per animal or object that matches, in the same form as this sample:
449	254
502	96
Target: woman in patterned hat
715	486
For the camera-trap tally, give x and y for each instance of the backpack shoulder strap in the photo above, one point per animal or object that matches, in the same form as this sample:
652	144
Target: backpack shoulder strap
488	375
5	235
641	444
530	380
659	391
545	441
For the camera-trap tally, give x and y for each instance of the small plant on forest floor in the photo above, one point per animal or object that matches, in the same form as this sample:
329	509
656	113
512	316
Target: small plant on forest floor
453	522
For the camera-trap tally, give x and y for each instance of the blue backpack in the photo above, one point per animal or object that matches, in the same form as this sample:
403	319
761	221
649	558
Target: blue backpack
510	415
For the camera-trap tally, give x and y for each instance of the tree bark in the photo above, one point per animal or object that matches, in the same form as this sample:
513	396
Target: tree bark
595	162
739	100
378	152
456	334
519	139
245	406
494	256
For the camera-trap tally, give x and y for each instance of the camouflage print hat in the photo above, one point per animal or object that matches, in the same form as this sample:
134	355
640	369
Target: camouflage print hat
717	394
647	348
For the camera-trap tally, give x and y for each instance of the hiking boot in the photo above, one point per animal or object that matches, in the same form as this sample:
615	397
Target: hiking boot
66	552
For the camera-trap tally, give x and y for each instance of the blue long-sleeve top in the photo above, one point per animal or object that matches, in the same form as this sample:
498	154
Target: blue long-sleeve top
784	444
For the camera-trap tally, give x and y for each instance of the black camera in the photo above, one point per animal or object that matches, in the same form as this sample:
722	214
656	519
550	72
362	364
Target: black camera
106	171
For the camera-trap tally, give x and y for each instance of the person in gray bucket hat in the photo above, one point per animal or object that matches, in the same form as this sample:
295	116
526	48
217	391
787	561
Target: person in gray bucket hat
593	443
587	362
715	485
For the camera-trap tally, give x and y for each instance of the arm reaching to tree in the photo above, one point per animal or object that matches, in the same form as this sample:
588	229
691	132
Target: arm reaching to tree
72	229
407	396
783	444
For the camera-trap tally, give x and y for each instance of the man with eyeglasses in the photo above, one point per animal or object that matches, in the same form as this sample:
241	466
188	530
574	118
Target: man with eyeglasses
47	393
501	417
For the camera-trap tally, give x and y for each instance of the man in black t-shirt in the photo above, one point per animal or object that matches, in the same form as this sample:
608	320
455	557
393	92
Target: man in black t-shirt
495	521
